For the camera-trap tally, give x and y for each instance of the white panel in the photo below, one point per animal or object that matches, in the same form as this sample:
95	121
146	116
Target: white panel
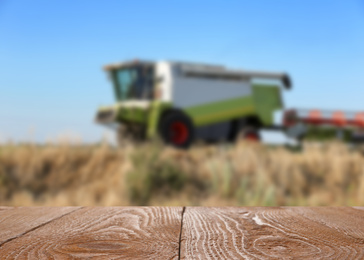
163	71
135	103
192	91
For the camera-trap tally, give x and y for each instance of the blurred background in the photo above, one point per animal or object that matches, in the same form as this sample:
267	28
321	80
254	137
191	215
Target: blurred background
51	83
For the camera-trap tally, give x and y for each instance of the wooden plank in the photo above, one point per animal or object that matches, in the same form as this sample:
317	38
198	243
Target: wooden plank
15	222
273	233
103	233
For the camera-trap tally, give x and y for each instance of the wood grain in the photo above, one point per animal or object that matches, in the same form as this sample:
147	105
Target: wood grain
15	222
207	233
103	233
273	233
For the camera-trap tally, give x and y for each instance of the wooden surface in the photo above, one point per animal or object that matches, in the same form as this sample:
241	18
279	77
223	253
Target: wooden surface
103	233
182	233
15	222
273	233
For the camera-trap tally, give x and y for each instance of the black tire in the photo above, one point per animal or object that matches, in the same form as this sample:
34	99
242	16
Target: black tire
177	130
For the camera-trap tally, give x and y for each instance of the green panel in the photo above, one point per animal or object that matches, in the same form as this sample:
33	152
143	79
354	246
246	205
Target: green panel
221	111
156	110
147	116
267	99
133	114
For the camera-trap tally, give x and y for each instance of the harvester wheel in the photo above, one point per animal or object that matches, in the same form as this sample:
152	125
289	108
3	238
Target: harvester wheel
177	130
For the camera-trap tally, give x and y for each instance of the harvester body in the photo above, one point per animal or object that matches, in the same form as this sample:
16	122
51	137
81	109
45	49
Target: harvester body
182	101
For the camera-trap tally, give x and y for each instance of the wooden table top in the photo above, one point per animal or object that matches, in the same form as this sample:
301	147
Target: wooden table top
182	233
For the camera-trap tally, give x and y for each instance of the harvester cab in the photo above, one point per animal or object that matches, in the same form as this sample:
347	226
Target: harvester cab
134	89
132	81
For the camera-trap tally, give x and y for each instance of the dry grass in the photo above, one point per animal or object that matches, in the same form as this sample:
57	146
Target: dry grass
205	175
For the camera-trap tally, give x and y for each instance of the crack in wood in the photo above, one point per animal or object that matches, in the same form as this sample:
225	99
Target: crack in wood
35	228
180	233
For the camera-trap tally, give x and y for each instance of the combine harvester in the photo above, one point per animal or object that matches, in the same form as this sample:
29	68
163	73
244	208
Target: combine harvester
183	102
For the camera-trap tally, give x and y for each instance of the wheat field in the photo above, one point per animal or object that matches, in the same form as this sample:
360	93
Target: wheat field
151	174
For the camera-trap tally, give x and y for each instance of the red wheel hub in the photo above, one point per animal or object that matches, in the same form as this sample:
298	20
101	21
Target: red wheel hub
178	132
252	137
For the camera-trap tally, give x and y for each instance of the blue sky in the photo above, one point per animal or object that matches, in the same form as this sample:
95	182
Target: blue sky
51	52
